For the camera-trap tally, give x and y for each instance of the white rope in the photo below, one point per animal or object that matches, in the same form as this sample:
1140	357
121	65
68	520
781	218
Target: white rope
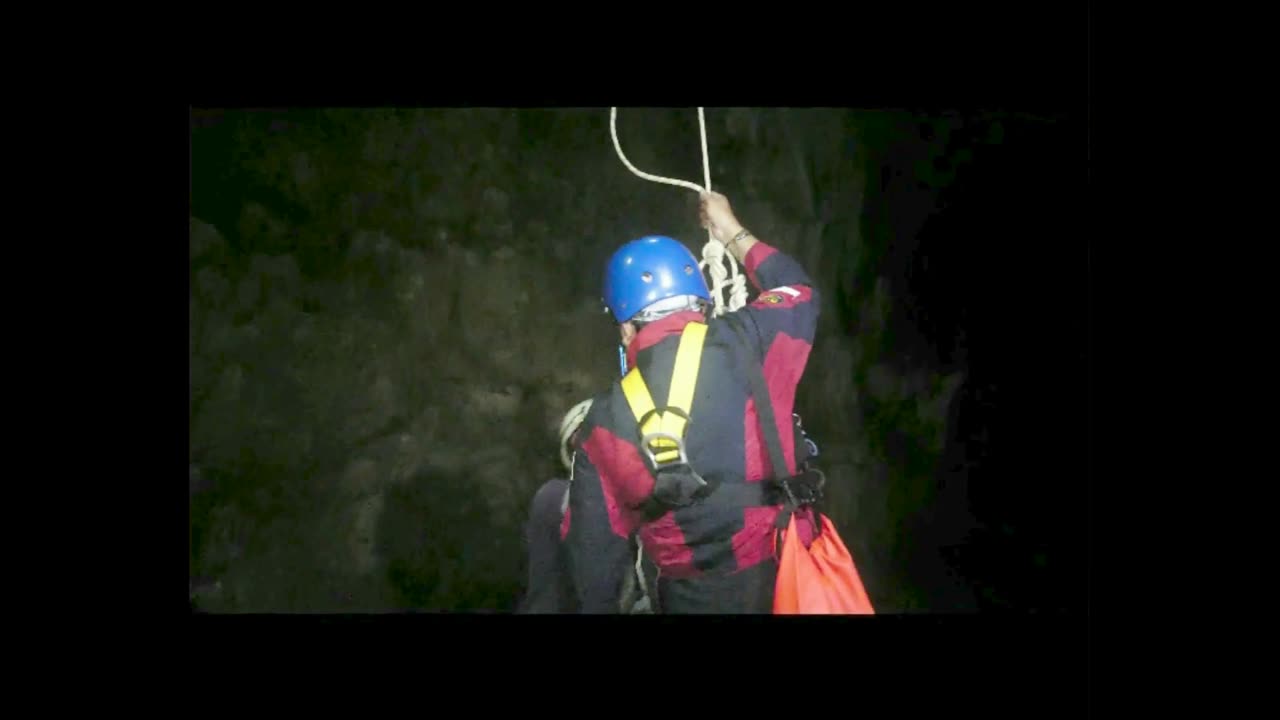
714	257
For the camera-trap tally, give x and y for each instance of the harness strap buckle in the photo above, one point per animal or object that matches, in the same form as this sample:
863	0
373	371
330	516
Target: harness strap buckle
646	444
805	488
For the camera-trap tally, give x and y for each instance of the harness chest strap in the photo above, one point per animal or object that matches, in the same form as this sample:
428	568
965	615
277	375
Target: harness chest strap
671	422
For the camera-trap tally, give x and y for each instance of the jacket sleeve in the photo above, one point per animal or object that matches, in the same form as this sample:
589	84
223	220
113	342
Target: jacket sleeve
599	526
781	324
788	303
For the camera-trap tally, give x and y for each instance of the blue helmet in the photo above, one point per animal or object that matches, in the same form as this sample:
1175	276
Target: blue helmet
647	270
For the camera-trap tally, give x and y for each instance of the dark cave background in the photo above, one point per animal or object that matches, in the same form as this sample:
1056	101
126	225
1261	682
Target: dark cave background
390	309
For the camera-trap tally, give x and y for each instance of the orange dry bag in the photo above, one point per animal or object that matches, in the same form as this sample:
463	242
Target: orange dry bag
820	579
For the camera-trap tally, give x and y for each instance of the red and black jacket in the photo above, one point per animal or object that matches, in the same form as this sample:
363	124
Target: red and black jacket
732	529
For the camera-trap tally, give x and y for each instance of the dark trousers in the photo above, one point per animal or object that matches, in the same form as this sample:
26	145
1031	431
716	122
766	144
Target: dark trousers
748	591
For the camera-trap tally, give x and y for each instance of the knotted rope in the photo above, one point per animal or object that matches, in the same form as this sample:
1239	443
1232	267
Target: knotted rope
714	257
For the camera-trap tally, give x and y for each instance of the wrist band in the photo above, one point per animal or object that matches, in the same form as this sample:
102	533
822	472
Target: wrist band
744	233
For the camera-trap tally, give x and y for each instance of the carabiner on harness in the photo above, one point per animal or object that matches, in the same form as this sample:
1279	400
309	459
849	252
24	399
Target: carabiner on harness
808	441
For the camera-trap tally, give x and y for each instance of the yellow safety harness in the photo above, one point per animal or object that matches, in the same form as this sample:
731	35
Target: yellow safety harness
662	431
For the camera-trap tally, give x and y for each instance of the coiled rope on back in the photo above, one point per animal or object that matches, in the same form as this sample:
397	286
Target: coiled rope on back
714	257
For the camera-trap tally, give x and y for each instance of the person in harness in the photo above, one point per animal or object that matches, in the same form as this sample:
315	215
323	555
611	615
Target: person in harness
548	589
673	454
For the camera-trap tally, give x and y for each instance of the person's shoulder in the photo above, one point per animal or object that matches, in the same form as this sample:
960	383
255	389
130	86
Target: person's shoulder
605	415
602	405
727	326
551	491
